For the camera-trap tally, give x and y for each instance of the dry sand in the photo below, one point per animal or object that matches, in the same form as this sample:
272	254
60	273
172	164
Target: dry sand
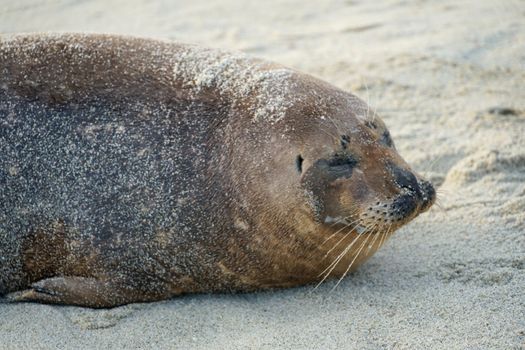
449	79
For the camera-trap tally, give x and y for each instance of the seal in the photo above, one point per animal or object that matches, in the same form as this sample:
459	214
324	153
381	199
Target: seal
135	170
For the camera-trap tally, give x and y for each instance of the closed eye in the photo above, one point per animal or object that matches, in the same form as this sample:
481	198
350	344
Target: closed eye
342	162
299	163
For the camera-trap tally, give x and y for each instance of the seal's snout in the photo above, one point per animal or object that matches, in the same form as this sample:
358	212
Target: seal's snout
417	193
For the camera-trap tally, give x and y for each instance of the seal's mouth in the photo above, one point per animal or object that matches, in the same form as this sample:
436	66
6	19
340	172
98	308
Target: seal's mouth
395	212
390	213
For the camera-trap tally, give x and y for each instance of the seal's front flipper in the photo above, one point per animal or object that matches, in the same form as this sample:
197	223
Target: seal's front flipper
79	291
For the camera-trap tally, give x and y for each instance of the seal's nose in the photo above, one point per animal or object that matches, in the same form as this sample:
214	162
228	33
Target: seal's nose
429	194
416	195
406	180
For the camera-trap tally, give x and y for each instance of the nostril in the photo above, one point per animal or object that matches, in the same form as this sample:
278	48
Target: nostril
404	205
405	179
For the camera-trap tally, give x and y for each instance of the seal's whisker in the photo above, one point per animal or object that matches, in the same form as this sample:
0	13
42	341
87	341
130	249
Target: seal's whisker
343	253
368	105
367	100
342	238
336	244
340	127
384	237
439	206
442	194
337	127
374	241
364	244
337	259
383	234
389	234
334	264
352	262
333	234
375	111
445	198
439	198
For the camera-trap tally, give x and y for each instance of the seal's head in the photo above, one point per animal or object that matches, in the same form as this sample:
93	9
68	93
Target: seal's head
357	187
356	176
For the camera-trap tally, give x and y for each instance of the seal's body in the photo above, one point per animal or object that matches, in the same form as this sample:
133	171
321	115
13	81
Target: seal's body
136	170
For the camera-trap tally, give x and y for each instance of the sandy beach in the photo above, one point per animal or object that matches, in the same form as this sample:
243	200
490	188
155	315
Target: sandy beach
447	77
